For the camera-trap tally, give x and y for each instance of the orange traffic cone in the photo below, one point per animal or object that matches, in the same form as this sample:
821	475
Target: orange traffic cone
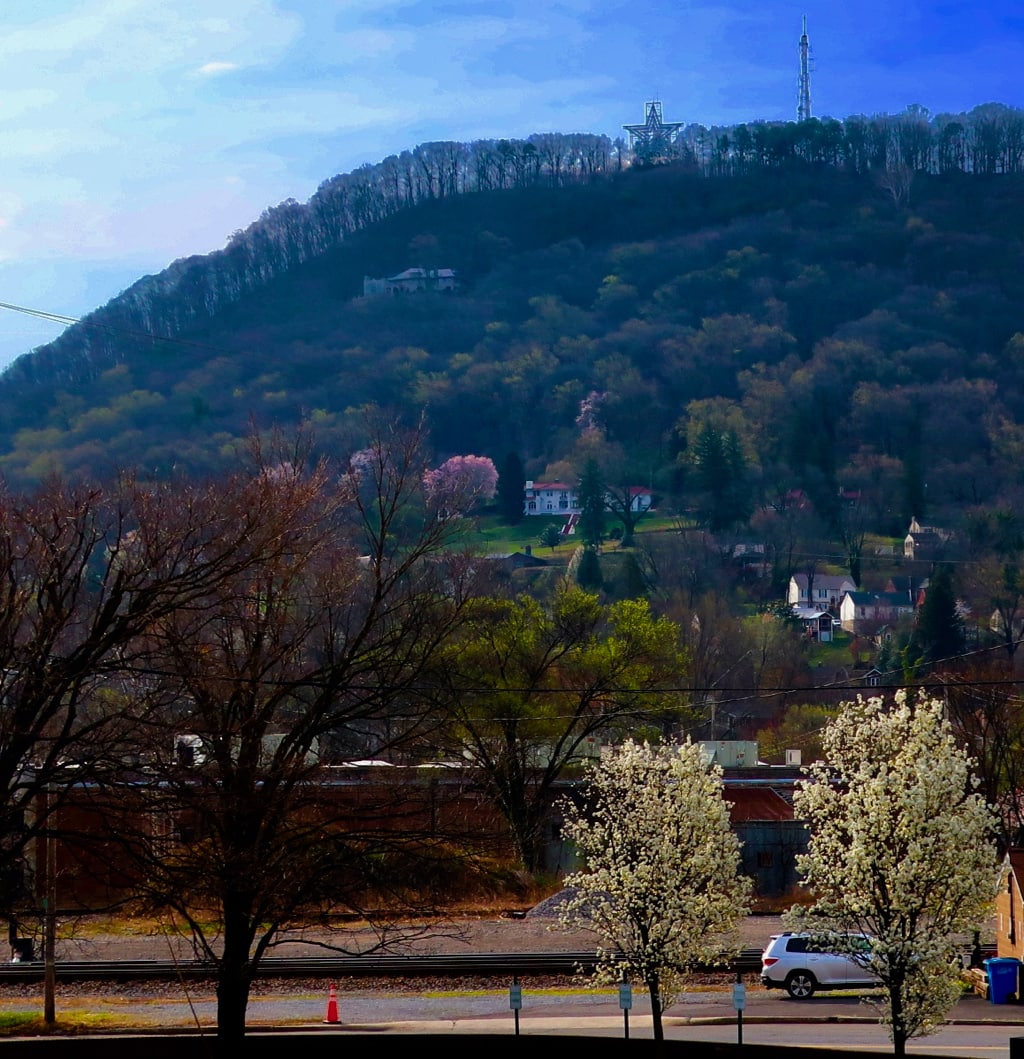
332	1006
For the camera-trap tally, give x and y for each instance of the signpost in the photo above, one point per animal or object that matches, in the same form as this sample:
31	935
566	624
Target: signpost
739	1002
515	999
625	1001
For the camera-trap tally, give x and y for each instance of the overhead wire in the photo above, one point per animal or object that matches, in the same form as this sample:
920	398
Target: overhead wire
84	321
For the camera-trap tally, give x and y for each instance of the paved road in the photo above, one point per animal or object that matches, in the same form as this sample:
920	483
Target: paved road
982	1030
277	1004
979	1030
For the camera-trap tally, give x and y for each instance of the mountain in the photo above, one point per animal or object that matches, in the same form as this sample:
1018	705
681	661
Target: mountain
844	327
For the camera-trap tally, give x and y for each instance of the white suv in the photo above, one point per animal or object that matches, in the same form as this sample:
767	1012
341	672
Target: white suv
801	964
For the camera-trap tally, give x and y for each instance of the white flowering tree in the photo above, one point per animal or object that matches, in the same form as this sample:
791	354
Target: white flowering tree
661	885
901	850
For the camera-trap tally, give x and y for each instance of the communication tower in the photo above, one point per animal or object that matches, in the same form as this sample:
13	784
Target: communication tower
803	105
651	141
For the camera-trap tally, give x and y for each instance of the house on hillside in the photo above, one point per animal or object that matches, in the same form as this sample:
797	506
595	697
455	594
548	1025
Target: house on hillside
870	677
749	556
822	592
998	622
925	542
912	588
862	613
560	498
817	624
640	498
410	281
550	498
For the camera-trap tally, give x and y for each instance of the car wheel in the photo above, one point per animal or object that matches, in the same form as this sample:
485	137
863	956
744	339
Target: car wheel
800	985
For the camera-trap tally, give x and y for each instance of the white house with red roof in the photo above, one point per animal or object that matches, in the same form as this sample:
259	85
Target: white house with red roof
560	498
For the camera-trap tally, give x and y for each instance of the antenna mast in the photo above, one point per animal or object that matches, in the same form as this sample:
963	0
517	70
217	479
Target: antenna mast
803	106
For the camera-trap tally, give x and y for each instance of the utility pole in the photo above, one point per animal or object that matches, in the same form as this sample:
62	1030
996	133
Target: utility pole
50	918
803	107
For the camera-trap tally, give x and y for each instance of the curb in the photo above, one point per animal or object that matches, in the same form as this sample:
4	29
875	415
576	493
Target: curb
812	1020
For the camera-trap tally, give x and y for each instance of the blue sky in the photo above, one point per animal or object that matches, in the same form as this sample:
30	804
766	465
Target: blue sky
135	132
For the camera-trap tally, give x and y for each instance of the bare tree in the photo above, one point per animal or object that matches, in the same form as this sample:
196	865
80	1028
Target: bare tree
896	179
318	643
987	718
84	572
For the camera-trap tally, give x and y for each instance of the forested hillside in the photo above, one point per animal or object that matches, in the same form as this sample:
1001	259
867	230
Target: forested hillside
835	306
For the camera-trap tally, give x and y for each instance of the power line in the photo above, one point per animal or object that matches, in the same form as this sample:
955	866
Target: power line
68	321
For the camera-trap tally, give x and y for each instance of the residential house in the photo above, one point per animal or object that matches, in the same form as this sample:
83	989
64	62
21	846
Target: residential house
550	498
998	622
925	542
640	498
862	613
412	280
871	677
560	498
817	624
822	592
750	557
911	587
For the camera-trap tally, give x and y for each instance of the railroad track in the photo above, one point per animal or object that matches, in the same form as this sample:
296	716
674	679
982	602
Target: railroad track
480	965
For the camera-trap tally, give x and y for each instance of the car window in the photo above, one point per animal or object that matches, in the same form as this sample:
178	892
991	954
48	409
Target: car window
796	945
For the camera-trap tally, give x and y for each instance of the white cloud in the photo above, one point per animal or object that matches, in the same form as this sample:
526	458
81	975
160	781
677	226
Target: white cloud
141	131
215	68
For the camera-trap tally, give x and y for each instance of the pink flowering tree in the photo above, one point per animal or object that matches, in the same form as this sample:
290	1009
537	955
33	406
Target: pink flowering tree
459	483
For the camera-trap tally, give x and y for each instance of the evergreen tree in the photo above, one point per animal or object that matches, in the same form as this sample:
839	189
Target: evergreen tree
721	478
940	628
511	484
591	491
634	584
588	571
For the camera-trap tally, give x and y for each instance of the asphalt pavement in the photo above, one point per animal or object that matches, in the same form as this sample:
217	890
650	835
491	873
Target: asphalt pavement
452	1005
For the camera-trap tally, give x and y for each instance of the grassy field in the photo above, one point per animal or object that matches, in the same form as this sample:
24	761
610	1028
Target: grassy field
487	534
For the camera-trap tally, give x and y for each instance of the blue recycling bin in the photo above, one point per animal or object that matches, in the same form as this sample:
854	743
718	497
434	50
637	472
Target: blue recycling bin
1003	975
